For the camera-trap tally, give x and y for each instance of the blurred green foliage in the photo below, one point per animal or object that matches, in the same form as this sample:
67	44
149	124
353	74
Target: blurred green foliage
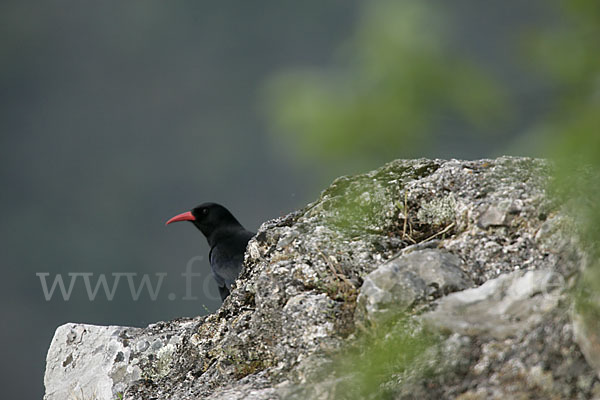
569	56
399	83
394	350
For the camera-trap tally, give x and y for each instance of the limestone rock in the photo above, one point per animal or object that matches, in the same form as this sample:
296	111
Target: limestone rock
501	307
83	359
478	242
99	362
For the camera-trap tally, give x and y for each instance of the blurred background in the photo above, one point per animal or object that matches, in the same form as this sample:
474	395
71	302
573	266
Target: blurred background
115	116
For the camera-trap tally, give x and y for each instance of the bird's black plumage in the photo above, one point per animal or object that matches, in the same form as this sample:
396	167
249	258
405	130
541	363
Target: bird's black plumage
226	237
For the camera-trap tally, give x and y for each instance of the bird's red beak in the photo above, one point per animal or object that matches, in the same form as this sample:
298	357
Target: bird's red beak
186	216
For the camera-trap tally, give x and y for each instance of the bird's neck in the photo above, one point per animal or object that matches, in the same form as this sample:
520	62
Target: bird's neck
222	233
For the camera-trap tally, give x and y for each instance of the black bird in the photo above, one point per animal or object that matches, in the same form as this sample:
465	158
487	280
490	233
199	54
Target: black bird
226	237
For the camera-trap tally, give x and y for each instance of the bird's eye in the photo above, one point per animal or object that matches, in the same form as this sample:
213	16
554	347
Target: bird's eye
205	211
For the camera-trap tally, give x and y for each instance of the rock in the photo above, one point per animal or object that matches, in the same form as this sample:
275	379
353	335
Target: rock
439	211
83	359
402	281
501	307
499	214
492	216
100	362
588	340
479	240
541	361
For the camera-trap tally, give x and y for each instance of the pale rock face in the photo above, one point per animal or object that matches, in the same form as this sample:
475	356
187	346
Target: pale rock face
473	250
84	359
100	362
501	307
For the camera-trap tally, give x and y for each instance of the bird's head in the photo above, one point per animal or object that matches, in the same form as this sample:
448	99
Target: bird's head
208	217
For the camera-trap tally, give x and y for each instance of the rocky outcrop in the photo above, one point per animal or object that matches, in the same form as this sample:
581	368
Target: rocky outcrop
472	255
